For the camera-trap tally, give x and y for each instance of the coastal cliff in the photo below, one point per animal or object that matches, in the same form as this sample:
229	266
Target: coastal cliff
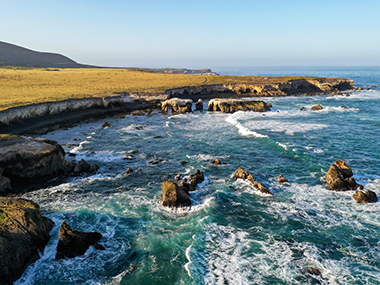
291	87
55	113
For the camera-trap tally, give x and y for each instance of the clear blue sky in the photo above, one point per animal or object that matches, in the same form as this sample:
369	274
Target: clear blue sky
197	34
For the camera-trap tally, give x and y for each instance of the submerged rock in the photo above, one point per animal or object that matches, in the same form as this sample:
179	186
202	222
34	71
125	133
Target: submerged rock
339	177
24	232
177	105
367	197
73	243
106	125
242	174
234	105
313	271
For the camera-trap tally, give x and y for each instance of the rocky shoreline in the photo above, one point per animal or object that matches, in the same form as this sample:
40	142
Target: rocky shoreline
44	117
24	161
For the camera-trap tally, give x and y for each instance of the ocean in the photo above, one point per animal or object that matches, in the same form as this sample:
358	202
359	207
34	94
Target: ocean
232	234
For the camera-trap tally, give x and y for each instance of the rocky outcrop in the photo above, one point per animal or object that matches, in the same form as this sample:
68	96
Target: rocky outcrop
72	243
339	177
242	174
234	105
83	167
216	161
24	160
282	179
199	105
174	195
177	105
24	232
364	198
317	107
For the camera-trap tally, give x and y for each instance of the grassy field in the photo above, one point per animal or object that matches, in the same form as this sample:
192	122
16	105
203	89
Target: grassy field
23	86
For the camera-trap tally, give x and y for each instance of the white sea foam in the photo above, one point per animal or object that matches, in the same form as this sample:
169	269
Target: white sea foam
187	253
275	122
197	206
232	119
282	145
80	147
289	128
99	156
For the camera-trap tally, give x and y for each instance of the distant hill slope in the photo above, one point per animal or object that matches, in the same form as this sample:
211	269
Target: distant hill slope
18	56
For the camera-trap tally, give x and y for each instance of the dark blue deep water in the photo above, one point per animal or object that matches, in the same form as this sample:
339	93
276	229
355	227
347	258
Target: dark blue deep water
232	234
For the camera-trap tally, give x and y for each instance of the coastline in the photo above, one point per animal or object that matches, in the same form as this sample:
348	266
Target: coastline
43	117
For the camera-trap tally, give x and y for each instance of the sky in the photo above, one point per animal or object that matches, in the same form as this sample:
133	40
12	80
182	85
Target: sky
198	33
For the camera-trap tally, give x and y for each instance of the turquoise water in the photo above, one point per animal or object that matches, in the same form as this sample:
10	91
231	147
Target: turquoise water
232	234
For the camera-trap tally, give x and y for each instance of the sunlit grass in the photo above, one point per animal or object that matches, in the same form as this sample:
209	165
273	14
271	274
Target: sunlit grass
23	86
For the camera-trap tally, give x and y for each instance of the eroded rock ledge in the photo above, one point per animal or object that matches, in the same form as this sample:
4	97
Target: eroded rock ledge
234	105
26	161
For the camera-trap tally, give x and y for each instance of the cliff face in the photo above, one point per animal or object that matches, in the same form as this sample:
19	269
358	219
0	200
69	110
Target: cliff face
291	87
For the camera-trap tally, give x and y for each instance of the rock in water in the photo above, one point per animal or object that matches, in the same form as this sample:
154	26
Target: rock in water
199	105
216	161
25	161
24	232
177	105
367	197
242	174
282	179
174	196
234	105
313	271
73	243
317	107
339	177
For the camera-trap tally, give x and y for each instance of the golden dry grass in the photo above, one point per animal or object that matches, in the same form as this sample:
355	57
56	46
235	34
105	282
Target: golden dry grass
23	86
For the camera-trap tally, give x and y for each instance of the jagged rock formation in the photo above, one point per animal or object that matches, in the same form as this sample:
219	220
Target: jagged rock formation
73	243
242	174
339	177
177	105
234	105
24	232
367	197
174	195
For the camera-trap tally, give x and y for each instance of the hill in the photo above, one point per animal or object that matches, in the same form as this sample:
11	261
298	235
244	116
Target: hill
13	55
